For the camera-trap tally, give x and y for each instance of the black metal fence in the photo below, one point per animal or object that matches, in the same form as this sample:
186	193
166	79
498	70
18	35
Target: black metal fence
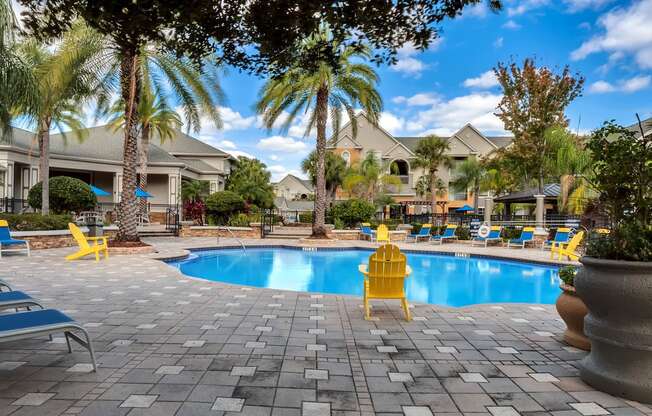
14	206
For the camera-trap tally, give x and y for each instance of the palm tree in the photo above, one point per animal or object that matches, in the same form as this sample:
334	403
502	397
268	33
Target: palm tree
66	75
431	154
335	172
423	188
470	174
370	178
17	84
313	90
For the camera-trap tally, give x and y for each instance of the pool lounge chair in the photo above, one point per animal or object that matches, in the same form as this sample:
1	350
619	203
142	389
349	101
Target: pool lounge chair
571	250
384	278
365	231
4	286
494	235
527	236
382	234
84	248
424	233
17	299
7	241
21	325
449	234
562	237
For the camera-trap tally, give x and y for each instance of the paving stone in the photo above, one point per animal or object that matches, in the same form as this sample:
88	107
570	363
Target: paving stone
243	371
417	411
473	378
589	409
502	411
228	404
400	377
139	400
544	377
11	365
33	399
315	409
316	374
169	369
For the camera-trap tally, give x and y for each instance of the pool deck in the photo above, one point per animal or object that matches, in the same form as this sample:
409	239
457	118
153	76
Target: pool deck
171	345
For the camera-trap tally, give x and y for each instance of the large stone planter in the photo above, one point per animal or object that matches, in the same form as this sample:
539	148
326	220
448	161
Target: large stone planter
618	295
572	310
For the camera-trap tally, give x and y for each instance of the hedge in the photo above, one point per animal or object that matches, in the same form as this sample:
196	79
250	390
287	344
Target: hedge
66	195
36	222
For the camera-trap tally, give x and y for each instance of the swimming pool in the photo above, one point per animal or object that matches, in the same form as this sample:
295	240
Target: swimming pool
436	279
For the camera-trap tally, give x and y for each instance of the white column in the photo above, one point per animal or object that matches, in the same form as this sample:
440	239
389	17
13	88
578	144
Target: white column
540	213
488	209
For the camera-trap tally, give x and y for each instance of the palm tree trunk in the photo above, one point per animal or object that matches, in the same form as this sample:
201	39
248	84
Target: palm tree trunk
130	90
44	164
476	198
143	152
319	225
433	197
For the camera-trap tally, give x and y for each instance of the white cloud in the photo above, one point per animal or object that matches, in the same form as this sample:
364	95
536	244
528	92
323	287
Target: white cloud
233	120
446	117
626	30
485	80
630	85
279	172
498	43
226	144
390	122
282	144
416	100
510	24
407	64
274	158
479	10
240	153
579	5
524	6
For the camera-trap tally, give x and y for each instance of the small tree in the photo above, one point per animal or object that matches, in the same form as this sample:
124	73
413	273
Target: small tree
221	205
431	154
193	194
66	195
251	180
534	99
369	178
335	172
470	174
353	211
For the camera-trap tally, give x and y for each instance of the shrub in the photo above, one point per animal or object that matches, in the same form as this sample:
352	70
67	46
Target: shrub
36	222
339	224
239	220
353	211
463	233
567	275
305	217
194	210
66	195
222	205
511	232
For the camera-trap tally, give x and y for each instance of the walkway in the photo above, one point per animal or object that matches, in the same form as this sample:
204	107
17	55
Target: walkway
170	345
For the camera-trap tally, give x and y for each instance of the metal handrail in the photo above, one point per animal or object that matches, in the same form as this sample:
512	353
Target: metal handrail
244	248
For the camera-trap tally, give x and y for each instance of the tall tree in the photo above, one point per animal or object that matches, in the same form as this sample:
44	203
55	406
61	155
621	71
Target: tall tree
251	180
313	90
66	75
335	172
534	99
470	174
431	154
423	187
370	178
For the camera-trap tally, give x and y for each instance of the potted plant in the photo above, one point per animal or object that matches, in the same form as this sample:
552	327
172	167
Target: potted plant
616	280
572	310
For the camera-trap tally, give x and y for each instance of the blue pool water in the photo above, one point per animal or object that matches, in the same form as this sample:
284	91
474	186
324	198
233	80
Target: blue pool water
435	279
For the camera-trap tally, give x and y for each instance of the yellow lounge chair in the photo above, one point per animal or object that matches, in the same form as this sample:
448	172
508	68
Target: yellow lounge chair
385	276
570	250
382	234
84	248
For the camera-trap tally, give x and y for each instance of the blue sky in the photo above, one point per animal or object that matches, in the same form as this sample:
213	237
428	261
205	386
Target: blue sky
438	91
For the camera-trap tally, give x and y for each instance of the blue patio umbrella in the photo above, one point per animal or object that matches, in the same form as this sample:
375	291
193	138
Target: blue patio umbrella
142	194
99	192
465	208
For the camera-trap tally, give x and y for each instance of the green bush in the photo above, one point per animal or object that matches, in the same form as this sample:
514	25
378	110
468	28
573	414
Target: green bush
567	275
36	222
511	232
353	211
305	217
391	224
220	206
239	220
463	233
66	195
339	224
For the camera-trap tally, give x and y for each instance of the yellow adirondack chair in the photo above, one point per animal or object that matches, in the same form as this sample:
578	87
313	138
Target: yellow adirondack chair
385	276
84	248
570	250
382	234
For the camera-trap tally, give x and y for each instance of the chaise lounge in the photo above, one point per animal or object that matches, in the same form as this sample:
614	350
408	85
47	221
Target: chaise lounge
7	241
17	299
449	234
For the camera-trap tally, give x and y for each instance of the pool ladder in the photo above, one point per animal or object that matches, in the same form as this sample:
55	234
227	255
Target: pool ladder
244	248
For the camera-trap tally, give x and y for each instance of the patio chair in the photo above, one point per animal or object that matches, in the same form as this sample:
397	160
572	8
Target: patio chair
424	233
571	250
365	231
7	241
23	325
84	248
4	285
384	277
562	236
494	235
17	299
382	234
449	234
527	236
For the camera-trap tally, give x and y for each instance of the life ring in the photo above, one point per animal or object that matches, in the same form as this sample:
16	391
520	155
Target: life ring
484	231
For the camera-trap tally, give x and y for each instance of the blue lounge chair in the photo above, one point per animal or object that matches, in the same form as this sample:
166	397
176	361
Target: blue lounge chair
21	325
562	237
7	241
494	235
423	233
366	232
17	299
527	236
4	285
449	234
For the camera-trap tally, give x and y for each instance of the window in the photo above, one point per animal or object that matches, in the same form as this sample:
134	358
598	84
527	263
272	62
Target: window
347	157
456	194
